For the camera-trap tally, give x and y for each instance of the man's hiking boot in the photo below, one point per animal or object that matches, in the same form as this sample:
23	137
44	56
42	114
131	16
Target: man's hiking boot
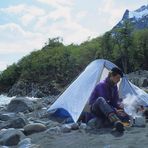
119	126
116	122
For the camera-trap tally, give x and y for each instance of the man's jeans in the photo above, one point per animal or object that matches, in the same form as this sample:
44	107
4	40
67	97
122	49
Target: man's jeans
101	108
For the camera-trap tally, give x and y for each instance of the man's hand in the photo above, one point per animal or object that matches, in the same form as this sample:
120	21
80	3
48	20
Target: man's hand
120	112
121	105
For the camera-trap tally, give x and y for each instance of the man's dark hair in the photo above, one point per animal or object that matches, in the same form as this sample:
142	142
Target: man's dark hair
115	71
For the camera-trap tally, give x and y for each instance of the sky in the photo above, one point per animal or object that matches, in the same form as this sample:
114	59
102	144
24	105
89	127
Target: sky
26	25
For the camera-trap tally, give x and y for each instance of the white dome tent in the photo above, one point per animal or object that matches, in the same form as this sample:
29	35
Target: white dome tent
76	96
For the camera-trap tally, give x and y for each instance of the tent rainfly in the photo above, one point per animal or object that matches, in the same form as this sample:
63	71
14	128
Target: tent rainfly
75	98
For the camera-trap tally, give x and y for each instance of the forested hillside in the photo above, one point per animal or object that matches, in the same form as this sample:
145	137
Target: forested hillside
48	70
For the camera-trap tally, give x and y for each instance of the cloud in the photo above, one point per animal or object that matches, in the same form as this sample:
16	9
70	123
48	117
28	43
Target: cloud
26	19
112	11
52	17
25	13
57	3
14	9
15	39
64	24
60	21
57	22
61	12
23	8
72	31
75	32
81	14
3	65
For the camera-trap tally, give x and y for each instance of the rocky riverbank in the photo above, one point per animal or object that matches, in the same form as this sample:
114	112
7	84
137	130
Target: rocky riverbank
25	123
39	90
139	78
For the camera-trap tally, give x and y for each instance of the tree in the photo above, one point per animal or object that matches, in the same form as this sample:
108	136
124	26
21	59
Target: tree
53	42
123	39
9	76
107	46
141	49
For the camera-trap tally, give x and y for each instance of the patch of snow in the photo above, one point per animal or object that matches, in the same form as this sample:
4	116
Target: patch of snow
137	15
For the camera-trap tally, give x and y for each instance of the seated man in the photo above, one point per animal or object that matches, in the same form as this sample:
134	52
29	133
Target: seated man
104	99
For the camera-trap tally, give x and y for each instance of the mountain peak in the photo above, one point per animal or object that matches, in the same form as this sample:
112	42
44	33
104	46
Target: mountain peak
126	15
138	18
139	13
142	8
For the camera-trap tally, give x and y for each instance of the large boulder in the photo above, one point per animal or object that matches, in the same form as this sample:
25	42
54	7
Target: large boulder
74	126
10	137
7	116
34	128
65	128
54	130
139	78
24	143
145	113
17	122
95	123
145	83
20	104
